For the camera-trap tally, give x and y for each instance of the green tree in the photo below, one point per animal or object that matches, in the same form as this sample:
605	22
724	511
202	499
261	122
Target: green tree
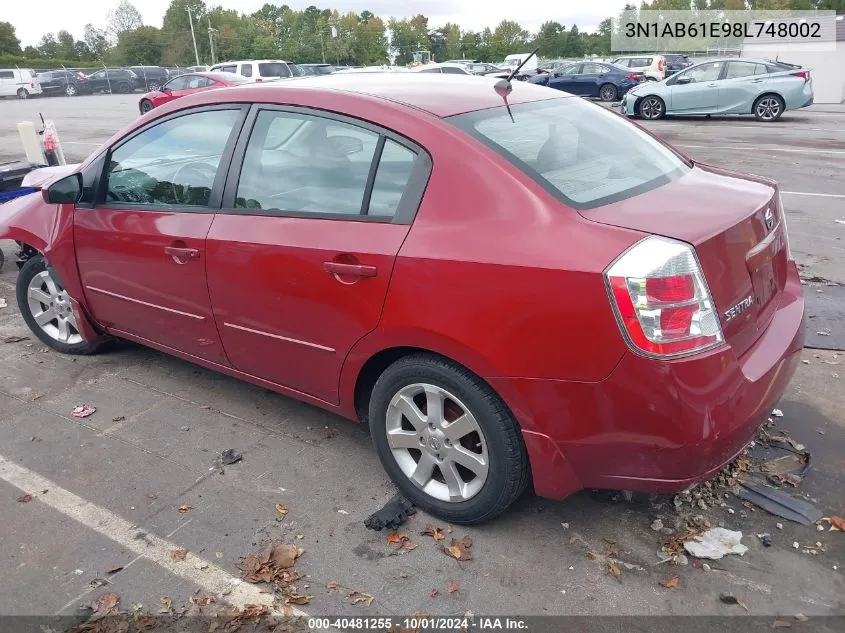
9	42
574	43
124	17
141	46
508	38
65	45
370	40
176	33
96	41
47	46
407	36
470	43
551	40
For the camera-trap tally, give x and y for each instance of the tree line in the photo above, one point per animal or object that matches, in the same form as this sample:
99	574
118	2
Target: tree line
322	35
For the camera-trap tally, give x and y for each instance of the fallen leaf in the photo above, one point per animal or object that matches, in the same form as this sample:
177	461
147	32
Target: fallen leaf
614	571
178	554
358	597
453	587
572	540
435	532
15	339
331	585
410	545
729	599
673	583
781	624
455	551
837	522
145	623
466	542
165	604
610	550
185	509
114	570
282	510
203	599
459	550
394	537
106	602
271	565
434	592
591	556
24	498
296	598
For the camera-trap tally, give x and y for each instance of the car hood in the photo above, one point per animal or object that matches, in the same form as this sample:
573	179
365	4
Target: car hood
45	176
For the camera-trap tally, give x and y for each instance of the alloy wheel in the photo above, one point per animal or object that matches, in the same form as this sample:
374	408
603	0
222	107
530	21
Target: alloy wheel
70	90
651	108
51	308
608	93
437	442
22	93
768	108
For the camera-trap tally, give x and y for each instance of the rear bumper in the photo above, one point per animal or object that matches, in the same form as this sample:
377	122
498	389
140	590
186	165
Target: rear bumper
659	426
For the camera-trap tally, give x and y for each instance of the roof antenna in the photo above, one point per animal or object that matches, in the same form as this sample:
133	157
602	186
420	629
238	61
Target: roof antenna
503	87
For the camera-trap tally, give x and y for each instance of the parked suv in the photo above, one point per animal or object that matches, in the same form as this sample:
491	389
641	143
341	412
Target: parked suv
113	80
652	66
261	69
18	82
150	77
69	82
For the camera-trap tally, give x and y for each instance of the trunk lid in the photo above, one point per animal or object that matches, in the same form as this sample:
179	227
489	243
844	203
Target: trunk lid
736	226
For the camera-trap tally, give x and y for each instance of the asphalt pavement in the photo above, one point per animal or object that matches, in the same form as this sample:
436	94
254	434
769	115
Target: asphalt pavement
107	489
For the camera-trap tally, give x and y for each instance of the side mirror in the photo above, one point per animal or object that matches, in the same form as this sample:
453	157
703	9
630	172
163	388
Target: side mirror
683	80
165	90
64	191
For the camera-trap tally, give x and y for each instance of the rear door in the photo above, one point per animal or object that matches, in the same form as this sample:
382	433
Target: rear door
587	82
742	83
316	208
141	247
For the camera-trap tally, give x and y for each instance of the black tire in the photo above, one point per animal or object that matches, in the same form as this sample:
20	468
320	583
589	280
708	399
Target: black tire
768	108
651	107
124	88
608	92
22	93
145	106
71	91
508	470
32	267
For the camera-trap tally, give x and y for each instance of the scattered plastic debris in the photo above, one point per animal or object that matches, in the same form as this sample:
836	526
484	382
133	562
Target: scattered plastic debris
795	544
78	572
657	525
777	413
780	503
391	515
716	543
25	498
229	457
3	303
185	428
83	411
565	526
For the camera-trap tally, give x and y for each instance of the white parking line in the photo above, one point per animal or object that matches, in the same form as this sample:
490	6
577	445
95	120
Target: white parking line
820	195
766	149
712	126
81	143
155	549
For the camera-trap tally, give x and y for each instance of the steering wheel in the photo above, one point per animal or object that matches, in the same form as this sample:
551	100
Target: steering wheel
197	174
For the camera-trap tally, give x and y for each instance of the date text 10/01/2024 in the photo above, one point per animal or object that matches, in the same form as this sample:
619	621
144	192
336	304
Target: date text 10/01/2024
770	30
426	624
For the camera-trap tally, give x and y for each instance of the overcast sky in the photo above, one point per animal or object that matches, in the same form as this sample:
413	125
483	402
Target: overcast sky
33	18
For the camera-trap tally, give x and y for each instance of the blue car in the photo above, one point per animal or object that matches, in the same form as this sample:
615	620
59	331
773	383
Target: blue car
591	79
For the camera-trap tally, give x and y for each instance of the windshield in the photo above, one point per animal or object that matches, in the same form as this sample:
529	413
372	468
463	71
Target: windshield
273	69
578	151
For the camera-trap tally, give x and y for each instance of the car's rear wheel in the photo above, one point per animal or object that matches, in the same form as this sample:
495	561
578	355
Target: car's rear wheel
607	92
70	90
124	88
768	108
447	440
652	108
22	93
46	308
146	106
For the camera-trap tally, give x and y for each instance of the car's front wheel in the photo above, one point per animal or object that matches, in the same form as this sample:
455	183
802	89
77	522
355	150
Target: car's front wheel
46	307
447	440
70	90
768	108
652	108
146	106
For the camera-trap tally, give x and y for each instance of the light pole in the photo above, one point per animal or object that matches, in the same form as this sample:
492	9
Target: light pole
193	36
211	40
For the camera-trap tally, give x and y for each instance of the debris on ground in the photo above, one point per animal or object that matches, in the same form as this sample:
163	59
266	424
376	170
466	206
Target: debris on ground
106	604
434	592
118	418
293	597
781	624
614	570
716	543
453	587
391	515
281	511
184	427
777	413
273	565
165	604
403	541
185	509
459	550
83	411
435	532
15	339
672	583
765	539
731	599
25	498
359	597
114	570
3	303
179	554
780	503
837	523
229	457
332	584
657	525
801	617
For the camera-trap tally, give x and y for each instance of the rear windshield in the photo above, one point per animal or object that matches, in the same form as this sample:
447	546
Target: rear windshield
580	152
272	69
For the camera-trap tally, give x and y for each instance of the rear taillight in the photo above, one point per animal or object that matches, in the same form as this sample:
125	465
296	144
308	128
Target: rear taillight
661	299
258	80
660	65
782	215
804	74
633	77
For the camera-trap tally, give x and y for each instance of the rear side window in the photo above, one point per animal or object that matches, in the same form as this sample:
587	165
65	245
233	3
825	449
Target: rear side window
580	152
744	69
431	70
246	70
394	171
453	71
7	74
273	69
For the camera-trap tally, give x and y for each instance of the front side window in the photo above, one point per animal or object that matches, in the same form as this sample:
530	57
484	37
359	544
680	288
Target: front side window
173	163
580	152
246	70
179	83
572	70
704	72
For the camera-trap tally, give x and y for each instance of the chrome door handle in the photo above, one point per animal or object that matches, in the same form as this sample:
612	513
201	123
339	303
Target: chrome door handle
357	270
181	254
712	85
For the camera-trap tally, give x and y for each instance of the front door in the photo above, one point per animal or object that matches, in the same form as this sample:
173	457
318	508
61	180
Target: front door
141	249
566	79
701	93
300	256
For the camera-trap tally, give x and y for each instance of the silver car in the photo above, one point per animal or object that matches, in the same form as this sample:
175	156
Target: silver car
760	87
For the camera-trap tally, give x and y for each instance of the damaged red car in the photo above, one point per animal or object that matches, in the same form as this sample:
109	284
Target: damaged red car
510	287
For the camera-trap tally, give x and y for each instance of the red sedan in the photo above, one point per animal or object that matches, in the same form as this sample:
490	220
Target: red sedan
188	84
505	292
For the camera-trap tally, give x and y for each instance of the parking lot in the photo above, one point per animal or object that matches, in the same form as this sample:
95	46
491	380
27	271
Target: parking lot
107	489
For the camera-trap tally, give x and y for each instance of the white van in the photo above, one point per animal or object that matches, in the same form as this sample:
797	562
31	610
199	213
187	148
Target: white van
18	82
512	61
260	69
